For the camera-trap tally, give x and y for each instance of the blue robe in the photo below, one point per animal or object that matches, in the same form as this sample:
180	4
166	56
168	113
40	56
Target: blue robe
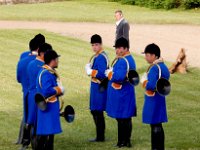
97	98
154	109
121	101
48	121
22	77
33	69
25	54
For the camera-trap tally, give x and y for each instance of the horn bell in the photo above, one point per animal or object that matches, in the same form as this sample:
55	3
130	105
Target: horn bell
163	87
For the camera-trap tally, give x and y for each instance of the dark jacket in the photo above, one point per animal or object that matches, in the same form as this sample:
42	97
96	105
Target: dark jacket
122	30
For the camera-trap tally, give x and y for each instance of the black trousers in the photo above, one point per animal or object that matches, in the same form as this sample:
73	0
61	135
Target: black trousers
26	135
157	137
45	142
99	121
21	132
124	131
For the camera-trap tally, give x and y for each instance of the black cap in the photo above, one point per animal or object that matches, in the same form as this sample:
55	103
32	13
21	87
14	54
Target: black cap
44	47
96	39
50	55
152	49
121	42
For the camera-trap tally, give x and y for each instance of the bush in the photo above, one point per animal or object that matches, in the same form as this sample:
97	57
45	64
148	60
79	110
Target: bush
188	4
129	2
142	3
155	4
166	4
169	4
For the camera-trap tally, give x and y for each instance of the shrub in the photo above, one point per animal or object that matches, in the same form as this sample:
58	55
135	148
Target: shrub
156	4
166	4
169	4
188	4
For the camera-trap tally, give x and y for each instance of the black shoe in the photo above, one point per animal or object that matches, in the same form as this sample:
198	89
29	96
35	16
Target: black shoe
121	145
24	147
117	145
97	140
128	144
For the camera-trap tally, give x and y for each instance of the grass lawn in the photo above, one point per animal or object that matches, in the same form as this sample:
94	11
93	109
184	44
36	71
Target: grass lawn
96	11
182	131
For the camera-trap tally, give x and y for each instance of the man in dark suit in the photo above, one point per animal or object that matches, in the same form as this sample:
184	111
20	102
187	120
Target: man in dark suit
122	26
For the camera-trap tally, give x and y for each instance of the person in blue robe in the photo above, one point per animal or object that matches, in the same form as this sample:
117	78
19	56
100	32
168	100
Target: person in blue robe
48	120
154	109
98	98
32	70
121	102
22	78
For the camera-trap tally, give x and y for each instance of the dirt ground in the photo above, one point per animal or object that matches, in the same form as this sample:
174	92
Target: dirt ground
170	38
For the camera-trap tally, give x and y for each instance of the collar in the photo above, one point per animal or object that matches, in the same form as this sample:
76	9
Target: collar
127	53
160	60
39	58
99	52
157	61
47	67
51	70
34	53
118	22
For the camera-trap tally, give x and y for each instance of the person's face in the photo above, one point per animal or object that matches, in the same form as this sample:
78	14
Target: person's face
54	63
150	58
96	47
118	16
120	51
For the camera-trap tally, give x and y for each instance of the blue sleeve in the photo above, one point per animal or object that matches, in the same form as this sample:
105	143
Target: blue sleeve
29	72
120	71
47	85
18	73
102	66
152	78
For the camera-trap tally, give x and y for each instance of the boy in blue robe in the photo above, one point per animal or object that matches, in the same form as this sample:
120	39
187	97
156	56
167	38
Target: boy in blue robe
40	40
32	70
121	103
154	109
97	98
22	78
48	121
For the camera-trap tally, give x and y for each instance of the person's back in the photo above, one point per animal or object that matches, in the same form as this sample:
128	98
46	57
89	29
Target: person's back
32	70
24	54
22	76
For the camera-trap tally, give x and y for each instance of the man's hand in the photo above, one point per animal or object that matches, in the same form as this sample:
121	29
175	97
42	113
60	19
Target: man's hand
62	90
88	69
143	78
108	71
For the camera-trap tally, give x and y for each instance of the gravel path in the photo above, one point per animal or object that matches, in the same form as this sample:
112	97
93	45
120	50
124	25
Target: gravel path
170	38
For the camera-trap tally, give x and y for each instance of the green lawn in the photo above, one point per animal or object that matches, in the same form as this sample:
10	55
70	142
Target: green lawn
182	131
96	11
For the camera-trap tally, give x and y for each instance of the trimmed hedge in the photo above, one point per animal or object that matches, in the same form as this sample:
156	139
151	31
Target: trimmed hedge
164	4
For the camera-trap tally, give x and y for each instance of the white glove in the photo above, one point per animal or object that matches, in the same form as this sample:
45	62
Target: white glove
87	66
108	71
143	78
62	89
59	84
88	69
